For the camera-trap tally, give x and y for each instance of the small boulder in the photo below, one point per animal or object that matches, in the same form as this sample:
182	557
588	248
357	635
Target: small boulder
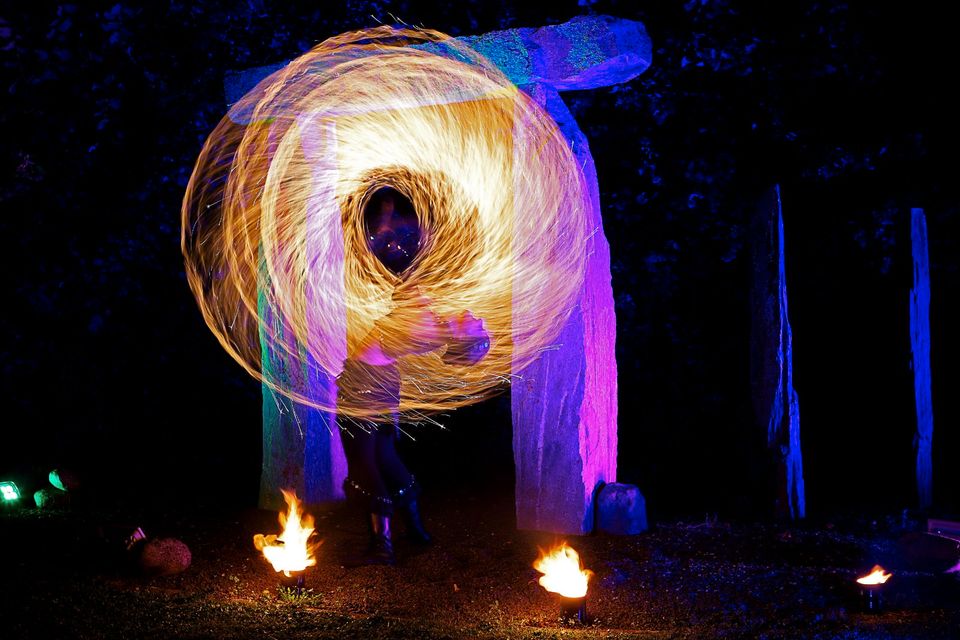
64	479
47	498
163	557
621	509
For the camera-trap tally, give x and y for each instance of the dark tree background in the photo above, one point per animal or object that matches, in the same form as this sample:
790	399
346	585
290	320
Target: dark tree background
107	366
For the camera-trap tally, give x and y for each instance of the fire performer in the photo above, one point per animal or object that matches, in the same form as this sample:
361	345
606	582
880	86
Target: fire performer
341	220
378	479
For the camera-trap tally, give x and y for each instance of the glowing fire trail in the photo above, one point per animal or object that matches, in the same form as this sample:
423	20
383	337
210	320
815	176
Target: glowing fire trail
272	224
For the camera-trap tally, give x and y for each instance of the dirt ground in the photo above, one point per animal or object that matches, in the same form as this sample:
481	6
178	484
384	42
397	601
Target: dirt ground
692	580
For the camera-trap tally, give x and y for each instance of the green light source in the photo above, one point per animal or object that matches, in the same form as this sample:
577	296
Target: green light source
9	491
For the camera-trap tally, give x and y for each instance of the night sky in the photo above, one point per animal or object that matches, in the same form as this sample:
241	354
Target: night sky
108	368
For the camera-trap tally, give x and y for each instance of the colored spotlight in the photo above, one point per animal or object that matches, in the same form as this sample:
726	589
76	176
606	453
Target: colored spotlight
9	491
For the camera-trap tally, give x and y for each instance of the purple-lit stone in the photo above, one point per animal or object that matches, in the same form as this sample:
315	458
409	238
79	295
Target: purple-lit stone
565	404
301	445
587	52
920	349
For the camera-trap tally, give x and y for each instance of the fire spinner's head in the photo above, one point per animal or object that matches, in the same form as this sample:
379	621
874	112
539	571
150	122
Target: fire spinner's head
392	229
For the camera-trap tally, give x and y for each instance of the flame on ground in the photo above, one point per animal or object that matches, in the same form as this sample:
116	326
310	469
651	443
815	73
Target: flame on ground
562	571
291	550
877	576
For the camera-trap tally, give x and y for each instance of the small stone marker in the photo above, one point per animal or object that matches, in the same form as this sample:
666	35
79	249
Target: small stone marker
47	498
621	509
164	557
64	479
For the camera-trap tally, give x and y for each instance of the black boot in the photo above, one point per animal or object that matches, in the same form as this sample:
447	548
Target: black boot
381	545
415	530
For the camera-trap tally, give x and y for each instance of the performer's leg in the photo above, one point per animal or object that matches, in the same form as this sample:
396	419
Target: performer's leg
366	486
364	482
404	488
396	476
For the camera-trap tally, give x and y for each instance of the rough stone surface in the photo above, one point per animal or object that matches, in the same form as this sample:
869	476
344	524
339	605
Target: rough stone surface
163	557
587	52
565	404
776	404
47	498
301	445
920	352
301	451
621	509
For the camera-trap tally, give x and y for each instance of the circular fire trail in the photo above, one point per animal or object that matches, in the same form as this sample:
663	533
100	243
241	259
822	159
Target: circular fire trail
273	234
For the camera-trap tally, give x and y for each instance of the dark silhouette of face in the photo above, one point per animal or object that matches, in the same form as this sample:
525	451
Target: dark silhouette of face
392	228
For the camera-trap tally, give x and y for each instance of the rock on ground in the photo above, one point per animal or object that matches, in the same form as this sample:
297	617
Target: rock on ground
164	557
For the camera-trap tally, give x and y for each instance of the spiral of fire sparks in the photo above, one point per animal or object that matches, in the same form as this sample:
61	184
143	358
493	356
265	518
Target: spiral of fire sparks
273	234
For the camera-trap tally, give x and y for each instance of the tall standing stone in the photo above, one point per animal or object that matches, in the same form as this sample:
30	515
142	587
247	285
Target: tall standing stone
564	405
301	445
776	405
920	349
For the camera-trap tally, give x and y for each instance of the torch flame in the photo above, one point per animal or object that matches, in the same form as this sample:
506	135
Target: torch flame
292	549
877	576
562	571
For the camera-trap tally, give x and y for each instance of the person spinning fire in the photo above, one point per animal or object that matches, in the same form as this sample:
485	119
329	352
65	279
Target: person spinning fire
377	477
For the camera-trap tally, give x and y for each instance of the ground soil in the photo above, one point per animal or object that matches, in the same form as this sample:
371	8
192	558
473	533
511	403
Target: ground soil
64	575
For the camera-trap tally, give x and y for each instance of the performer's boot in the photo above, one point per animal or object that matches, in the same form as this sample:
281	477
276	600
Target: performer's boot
381	545
416	532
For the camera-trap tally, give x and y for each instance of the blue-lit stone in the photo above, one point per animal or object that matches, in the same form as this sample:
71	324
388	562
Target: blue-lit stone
621	509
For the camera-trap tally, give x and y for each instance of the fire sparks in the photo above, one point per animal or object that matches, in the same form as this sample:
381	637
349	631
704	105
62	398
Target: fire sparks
562	571
273	234
291	550
877	576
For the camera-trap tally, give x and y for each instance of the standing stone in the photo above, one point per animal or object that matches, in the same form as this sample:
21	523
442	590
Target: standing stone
301	445
776	404
920	348
565	404
301	451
